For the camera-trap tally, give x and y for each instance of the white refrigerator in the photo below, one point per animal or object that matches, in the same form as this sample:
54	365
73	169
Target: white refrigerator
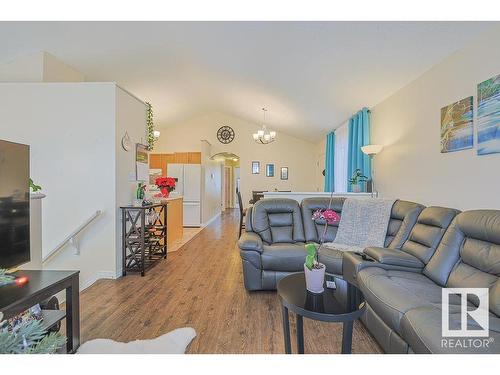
189	186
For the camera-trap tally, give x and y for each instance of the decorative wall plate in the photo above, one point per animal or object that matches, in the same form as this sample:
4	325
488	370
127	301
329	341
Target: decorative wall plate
126	142
225	134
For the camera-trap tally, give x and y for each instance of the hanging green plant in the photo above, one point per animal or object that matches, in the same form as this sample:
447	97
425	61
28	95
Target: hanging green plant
34	188
150	126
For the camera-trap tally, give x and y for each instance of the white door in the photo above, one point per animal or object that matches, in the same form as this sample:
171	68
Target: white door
192	182
192	214
177	171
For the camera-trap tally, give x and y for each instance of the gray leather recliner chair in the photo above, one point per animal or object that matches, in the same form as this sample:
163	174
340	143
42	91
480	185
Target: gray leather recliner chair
273	244
404	307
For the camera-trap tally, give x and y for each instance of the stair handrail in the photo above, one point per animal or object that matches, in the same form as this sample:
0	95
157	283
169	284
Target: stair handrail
72	237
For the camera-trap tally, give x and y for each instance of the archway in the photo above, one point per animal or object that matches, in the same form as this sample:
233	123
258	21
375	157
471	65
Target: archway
230	178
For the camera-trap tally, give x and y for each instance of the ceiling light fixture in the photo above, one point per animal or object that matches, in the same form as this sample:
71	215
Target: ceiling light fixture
263	136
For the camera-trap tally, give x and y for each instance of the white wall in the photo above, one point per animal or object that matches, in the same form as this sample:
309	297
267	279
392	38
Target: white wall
210	184
408	125
27	68
70	128
130	118
54	70
298	155
38	67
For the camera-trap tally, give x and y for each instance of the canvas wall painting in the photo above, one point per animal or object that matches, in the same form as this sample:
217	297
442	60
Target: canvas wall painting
488	116
270	170
457	131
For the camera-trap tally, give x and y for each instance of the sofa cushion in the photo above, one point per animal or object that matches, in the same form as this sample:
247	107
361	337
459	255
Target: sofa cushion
332	259
287	257
278	220
314	229
392	293
427	233
403	217
469	255
421	329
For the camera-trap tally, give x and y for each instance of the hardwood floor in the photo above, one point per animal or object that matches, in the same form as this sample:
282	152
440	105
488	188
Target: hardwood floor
201	286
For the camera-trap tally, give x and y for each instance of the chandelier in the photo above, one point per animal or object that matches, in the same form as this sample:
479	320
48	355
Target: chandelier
263	136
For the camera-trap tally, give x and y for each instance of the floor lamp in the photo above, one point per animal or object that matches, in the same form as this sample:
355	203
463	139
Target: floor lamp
371	151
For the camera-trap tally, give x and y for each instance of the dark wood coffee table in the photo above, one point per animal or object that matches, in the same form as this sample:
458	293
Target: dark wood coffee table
344	305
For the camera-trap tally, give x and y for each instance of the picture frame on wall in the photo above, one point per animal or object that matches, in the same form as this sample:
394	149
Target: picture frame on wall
255	167
488	108
269	170
284	173
141	162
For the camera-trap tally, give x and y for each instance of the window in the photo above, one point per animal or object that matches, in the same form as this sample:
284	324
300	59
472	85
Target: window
340	158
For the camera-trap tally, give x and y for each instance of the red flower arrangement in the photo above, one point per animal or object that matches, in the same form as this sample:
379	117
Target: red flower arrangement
166	185
329	215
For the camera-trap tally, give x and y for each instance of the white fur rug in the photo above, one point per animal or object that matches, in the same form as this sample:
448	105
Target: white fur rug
174	342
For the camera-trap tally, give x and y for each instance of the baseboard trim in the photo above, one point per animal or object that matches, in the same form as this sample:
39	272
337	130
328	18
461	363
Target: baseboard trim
97	276
61	296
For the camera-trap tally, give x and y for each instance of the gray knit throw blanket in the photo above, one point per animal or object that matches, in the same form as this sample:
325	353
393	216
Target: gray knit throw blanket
363	223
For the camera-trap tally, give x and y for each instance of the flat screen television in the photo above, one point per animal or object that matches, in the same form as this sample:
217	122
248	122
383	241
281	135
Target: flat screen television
14	204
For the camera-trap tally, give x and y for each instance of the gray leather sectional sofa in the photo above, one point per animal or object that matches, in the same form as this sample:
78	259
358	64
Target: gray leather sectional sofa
426	249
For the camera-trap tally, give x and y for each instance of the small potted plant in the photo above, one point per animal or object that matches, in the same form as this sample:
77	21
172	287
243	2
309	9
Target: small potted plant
314	270
166	185
356	179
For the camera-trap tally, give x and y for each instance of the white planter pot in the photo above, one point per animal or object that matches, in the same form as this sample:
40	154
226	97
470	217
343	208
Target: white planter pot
137	202
356	188
315	279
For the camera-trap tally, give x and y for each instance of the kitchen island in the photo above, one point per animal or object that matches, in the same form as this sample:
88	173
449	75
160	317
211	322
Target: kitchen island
299	195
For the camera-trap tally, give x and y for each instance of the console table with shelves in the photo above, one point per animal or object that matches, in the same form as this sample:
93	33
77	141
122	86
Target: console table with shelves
144	236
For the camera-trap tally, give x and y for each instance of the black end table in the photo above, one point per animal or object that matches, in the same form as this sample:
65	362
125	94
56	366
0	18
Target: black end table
15	299
333	305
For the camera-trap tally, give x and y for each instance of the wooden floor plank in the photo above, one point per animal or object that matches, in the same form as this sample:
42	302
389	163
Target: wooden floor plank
201	286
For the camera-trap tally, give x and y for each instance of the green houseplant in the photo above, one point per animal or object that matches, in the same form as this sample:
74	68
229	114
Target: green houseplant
357	178
34	187
314	271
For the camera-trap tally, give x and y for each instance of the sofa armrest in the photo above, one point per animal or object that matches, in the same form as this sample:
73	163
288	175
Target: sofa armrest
250	241
393	257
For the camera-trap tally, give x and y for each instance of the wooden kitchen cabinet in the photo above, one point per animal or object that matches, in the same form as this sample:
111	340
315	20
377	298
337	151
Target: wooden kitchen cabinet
161	161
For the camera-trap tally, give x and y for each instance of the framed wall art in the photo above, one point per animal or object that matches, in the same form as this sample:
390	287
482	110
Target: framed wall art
269	170
284	173
255	167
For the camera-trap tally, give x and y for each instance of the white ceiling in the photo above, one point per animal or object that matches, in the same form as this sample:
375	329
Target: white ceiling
310	75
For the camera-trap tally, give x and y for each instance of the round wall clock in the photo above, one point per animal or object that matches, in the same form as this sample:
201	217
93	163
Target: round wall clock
225	134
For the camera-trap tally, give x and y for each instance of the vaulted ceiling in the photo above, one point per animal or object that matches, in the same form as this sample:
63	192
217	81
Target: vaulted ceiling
310	75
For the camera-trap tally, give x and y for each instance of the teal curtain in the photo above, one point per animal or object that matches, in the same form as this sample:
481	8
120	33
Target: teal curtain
359	135
329	157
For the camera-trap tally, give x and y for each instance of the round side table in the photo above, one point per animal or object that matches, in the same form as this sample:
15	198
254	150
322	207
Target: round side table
333	305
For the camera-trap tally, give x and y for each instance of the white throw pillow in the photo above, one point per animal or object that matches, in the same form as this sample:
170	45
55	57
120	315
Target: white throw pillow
174	342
